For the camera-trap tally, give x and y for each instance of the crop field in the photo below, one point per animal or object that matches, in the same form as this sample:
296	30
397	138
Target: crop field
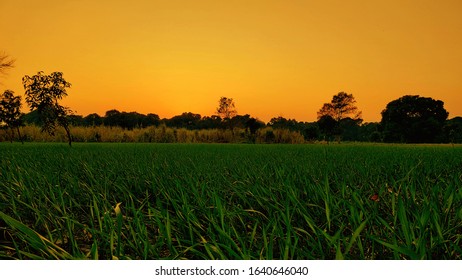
226	201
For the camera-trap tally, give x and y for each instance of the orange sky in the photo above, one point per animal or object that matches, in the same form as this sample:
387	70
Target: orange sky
275	58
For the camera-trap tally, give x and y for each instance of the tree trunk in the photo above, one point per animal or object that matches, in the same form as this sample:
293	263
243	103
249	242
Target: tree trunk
19	135
69	137
12	135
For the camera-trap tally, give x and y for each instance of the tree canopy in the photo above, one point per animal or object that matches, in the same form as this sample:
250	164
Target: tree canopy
341	106
413	119
10	111
341	113
226	108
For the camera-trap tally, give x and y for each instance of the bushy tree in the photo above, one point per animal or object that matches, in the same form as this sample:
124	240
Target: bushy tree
10	111
127	120
283	123
211	122
251	125
453	130
413	119
226	108
93	120
43	93
186	120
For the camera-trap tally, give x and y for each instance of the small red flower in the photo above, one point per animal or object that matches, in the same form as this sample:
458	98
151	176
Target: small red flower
375	197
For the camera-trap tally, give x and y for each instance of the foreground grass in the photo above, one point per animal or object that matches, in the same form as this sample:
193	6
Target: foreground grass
173	201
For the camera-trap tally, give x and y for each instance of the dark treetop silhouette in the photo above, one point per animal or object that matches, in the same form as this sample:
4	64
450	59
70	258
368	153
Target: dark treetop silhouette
413	119
226	108
10	112
340	113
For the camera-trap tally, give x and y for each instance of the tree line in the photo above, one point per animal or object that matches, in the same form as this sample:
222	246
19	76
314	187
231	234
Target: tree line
409	119
412	127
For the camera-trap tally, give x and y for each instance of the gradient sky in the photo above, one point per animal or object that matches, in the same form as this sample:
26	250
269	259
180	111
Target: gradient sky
275	58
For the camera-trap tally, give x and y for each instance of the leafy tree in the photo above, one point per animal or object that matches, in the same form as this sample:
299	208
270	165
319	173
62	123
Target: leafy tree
93	120
132	120
413	119
10	112
152	119
112	118
342	112
42	94
211	122
186	120
75	120
226	108
453	130
341	106
125	120
251	125
283	123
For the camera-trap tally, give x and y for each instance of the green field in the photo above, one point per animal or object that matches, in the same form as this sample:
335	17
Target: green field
224	201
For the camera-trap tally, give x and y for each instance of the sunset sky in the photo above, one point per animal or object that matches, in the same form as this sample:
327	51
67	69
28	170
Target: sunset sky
275	58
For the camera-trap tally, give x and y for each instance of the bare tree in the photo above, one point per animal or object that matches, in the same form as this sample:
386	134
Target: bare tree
226	108
5	62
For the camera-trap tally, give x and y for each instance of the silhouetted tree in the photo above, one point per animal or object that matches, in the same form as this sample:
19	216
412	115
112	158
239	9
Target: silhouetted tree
283	123
341	107
413	119
239	121
253	124
42	94
226	108
310	131
76	120
211	122
453	130
10	112
152	119
93	120
186	120
129	120
132	120
112	118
